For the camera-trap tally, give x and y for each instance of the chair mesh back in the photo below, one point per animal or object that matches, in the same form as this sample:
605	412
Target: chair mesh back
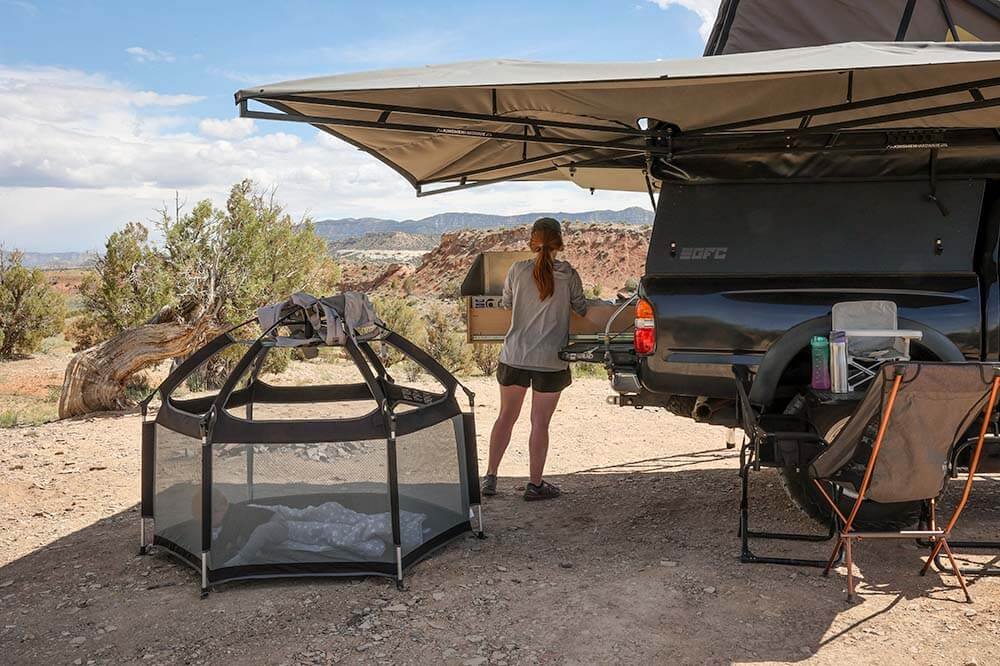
866	315
935	406
844	446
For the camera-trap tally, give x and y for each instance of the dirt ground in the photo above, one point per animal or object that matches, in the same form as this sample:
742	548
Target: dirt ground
636	563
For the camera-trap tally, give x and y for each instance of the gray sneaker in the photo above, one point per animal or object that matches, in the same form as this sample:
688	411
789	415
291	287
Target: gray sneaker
542	491
490	485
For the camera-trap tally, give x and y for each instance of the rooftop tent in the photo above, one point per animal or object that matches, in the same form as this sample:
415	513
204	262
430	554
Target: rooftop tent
258	480
764	25
769	114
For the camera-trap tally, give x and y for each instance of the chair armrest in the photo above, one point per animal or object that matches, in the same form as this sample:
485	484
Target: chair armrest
885	333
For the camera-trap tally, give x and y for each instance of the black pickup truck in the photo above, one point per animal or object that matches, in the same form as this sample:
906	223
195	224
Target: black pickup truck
745	273
755	278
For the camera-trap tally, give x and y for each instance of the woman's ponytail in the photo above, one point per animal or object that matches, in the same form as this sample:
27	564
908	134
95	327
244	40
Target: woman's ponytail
546	240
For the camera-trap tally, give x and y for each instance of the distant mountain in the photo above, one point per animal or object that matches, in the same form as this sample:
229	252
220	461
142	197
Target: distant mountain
385	240
435	225
58	259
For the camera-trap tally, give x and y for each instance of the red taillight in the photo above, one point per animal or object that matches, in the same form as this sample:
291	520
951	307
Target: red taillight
644	339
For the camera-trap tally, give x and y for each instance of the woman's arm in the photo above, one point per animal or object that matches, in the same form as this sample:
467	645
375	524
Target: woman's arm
577	300
507	300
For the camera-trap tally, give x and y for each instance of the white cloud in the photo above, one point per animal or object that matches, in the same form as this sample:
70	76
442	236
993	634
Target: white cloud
139	54
26	7
705	9
227	128
81	155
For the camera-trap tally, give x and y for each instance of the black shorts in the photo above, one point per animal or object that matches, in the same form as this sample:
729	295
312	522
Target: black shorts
550	381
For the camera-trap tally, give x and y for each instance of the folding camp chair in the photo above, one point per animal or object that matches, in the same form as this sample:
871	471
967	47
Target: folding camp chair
923	410
772	440
961	457
873	338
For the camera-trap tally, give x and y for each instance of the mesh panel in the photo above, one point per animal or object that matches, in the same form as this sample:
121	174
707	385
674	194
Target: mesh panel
432	486
176	509
341	409
321	502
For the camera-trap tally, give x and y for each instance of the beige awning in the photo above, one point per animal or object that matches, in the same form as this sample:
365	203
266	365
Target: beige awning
480	122
764	25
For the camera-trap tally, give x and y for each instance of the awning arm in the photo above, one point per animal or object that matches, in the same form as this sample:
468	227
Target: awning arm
854	106
616	128
506	165
835	141
530	160
464	184
430	129
721	139
951	22
924	112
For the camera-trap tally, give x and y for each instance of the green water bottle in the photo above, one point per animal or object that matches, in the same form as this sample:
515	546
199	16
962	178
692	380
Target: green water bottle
820	348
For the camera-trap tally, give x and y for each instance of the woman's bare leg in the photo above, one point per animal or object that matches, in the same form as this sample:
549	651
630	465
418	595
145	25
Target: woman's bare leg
542	407
511	399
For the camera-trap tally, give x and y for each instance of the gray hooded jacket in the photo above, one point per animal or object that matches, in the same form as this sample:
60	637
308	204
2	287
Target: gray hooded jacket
539	329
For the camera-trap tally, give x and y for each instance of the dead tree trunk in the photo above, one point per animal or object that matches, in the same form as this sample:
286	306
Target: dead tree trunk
95	378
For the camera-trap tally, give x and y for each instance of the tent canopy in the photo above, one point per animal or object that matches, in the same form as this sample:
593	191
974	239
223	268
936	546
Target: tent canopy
603	125
762	25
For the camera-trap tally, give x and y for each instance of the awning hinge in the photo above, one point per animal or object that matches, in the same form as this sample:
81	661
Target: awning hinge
932	182
648	173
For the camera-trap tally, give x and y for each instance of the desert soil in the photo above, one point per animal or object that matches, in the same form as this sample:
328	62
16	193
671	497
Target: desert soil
636	563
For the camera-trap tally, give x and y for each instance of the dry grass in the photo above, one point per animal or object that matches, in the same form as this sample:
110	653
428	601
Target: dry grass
29	388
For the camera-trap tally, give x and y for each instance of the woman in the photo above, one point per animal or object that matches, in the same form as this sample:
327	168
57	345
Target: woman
541	292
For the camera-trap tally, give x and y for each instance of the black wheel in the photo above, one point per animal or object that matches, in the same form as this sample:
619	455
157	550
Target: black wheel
875	516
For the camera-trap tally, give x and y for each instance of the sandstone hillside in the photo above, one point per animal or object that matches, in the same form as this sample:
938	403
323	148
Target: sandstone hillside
606	256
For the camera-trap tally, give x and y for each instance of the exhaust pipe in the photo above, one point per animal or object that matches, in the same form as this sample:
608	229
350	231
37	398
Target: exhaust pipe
714	411
702	409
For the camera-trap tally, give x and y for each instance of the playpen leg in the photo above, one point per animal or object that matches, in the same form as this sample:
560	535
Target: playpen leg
143	546
478	509
399	568
204	575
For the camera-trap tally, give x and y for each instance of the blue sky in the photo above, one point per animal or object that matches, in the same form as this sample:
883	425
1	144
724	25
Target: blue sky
107	108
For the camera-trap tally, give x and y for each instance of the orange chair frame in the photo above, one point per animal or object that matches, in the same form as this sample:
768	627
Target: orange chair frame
938	537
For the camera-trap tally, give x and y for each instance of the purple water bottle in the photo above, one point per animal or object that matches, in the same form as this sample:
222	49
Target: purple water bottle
820	347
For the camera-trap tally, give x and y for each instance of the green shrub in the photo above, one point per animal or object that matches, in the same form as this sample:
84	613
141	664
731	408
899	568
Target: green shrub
8	418
30	310
214	264
452	290
84	331
445	339
596	370
411	370
486	356
400	316
221	263
129	284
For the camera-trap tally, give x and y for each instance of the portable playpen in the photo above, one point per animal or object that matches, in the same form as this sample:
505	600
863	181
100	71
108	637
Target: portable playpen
339	479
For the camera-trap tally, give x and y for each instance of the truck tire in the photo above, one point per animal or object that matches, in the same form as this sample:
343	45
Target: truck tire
872	516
